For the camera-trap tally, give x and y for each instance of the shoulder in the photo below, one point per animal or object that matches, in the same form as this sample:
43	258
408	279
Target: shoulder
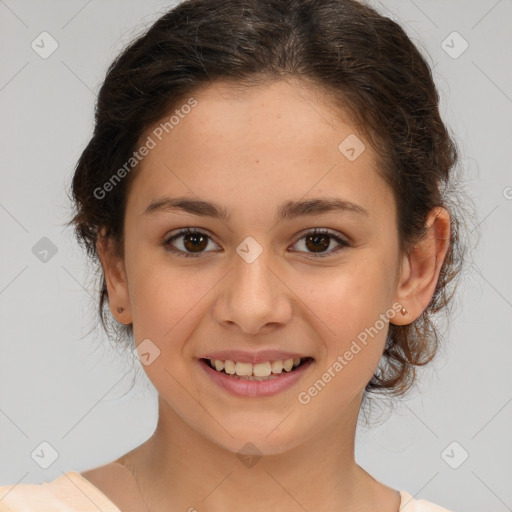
68	493
409	504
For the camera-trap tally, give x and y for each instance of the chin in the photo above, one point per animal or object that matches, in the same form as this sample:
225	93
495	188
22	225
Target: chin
259	441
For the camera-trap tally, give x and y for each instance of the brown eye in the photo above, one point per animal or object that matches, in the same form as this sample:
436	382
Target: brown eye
193	243
318	242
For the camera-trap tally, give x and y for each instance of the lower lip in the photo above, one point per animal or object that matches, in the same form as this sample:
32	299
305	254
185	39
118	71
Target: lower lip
256	388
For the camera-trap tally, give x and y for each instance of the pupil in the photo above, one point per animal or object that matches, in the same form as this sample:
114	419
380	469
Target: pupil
194	237
316	239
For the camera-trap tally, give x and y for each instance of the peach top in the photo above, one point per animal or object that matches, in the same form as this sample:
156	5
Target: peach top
71	492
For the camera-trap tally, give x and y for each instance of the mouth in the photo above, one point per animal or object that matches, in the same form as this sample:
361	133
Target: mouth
262	371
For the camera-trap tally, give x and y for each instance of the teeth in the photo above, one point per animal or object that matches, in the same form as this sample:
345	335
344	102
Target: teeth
257	370
262	369
243	369
229	367
276	366
288	364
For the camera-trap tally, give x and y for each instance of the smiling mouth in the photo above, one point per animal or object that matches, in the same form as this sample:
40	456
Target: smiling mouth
260	371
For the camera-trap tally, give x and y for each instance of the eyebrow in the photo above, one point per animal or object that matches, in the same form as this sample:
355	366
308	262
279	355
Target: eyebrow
288	210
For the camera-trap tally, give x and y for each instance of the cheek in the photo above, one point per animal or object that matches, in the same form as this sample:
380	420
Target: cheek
350	297
160	294
169	303
353	305
165	301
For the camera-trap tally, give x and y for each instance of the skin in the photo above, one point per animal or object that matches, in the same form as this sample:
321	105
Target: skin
250	150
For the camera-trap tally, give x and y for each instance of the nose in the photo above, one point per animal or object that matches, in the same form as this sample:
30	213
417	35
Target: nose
254	297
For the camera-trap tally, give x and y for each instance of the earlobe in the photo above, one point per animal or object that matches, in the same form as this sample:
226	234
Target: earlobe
115	278
421	267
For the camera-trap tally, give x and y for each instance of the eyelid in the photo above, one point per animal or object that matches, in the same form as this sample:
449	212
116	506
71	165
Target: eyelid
322	231
339	238
170	237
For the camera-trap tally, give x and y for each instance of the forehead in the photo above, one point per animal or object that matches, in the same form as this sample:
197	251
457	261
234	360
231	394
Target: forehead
276	141
288	113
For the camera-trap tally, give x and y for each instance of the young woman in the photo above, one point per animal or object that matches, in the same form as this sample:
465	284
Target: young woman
264	194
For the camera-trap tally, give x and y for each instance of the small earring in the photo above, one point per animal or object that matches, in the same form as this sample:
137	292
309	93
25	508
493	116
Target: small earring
403	311
120	309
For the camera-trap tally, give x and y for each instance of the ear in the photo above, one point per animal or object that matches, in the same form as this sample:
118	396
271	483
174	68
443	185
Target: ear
420	268
115	278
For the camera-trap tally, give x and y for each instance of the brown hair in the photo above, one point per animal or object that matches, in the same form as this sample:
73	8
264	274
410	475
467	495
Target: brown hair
362	59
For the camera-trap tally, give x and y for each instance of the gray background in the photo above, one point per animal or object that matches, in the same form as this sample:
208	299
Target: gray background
69	389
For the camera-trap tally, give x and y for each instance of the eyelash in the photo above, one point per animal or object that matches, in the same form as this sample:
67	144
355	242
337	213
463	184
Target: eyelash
167	243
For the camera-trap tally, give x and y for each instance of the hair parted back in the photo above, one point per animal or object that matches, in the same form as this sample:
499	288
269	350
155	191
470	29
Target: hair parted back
363	60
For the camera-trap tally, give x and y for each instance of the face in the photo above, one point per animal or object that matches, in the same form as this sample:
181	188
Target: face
268	281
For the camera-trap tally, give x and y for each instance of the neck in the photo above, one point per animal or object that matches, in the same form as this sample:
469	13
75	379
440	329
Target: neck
179	469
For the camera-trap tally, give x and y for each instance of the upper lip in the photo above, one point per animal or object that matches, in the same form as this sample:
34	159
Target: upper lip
244	356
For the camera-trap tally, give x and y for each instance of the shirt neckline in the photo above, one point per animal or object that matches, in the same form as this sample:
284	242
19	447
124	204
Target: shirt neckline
97	494
405	497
